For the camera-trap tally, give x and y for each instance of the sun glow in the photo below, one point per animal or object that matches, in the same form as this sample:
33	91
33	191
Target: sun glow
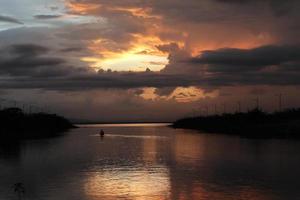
128	62
140	54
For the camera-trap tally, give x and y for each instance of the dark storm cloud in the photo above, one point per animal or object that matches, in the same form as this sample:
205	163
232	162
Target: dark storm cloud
279	7
165	91
248	59
279	19
137	80
195	10
168	48
33	66
47	16
72	49
27	49
93	81
9	19
32	60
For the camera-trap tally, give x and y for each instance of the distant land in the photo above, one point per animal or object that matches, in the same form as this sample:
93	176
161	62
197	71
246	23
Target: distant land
17	125
86	122
251	124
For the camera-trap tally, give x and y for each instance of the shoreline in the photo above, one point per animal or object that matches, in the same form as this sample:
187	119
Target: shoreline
17	125
253	124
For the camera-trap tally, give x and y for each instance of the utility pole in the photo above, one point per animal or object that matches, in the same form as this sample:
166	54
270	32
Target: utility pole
14	103
239	106
200	111
207	111
1	100
216	110
256	102
224	108
194	112
279	101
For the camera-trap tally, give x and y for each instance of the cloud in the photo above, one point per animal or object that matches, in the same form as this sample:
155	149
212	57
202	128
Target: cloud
261	21
28	49
33	66
31	60
209	44
45	17
126	25
239	60
72	49
165	91
168	48
9	19
280	8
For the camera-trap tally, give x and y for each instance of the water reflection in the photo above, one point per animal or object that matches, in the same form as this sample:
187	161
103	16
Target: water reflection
150	151
151	162
124	183
188	148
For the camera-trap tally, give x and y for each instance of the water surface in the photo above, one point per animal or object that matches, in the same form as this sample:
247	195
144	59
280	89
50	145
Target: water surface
150	161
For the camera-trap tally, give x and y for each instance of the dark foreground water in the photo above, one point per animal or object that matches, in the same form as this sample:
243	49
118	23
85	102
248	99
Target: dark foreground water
150	162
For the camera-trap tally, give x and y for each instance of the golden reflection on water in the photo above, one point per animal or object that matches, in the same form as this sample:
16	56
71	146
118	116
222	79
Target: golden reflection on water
136	184
149	151
188	150
199	193
152	180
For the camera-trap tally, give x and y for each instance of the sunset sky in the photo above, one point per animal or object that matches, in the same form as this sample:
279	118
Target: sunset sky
149	60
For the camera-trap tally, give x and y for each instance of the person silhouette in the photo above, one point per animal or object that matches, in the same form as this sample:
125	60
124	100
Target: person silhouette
19	189
101	133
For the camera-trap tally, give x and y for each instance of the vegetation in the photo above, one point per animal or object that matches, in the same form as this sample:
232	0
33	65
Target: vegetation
253	124
16	125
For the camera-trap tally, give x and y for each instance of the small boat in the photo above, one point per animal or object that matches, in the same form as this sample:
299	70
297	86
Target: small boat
101	133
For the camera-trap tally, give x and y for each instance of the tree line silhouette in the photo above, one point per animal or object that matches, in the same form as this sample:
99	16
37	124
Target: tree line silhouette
15	124
254	123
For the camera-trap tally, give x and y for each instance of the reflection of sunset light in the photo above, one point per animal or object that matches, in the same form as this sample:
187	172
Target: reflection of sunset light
149	152
188	149
199	192
136	184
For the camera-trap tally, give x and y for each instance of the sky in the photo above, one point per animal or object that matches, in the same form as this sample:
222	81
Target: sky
149	60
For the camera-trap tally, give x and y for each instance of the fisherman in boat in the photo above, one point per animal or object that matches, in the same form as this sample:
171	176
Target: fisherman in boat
101	133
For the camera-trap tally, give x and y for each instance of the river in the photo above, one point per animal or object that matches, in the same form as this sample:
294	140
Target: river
150	162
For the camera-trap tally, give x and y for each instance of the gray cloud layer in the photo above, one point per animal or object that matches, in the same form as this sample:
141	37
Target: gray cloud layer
9	19
252	43
248	60
52	66
32	66
47	16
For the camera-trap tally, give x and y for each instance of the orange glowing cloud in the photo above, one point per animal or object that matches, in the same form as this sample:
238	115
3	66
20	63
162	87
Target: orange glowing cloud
139	51
180	94
137	55
81	8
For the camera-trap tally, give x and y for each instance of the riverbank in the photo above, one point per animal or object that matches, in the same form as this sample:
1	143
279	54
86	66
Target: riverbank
253	124
17	125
